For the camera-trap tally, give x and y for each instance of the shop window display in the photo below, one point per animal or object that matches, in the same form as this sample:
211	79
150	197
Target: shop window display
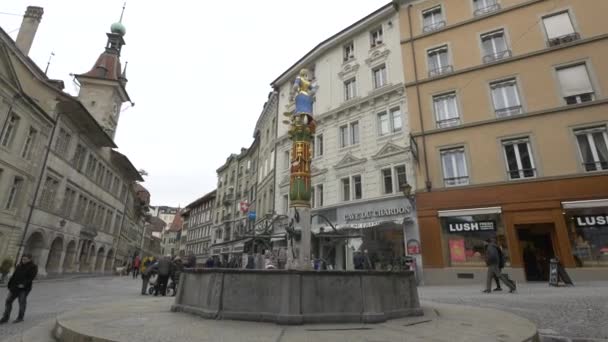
588	232
464	237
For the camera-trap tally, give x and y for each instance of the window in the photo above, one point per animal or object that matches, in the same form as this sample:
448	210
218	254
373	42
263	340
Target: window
82	205
494	46
454	167
117	223
9	131
518	155
389	122
286	161
319	145
559	29
319	195
91	166
63	142
115	186
379	76
79	156
13	194
354	133
68	202
438	61
343	136
593	143
358	190
101	171
387	177
575	84
505	98
446	110
350	89
107	181
351	188
271	160
485	6
345	189
49	190
397	172
432	19
26	153
123	192
349	51
375	37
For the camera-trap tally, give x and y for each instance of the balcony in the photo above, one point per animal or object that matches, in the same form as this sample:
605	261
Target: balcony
433	27
595	166
580	98
496	56
486	10
508	111
565	39
441	71
455	181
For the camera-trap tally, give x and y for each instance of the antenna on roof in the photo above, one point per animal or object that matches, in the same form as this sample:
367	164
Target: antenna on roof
49	62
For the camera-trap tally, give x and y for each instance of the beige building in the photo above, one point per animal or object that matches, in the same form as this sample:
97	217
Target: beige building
77	206
508	109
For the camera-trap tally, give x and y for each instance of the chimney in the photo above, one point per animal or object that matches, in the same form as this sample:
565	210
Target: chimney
28	28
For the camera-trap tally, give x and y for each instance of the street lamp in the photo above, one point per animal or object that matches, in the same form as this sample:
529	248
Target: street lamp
407	192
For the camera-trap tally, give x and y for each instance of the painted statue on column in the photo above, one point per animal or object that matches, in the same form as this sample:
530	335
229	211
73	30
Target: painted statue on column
301	131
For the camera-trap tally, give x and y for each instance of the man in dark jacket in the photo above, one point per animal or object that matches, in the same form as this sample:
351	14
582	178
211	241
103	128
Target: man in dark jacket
493	260
190	261
19	286
165	269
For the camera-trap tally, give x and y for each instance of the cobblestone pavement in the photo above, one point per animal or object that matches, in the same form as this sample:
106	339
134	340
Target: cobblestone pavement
571	313
51	298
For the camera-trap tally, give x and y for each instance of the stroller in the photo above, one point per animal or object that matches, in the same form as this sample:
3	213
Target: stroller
153	283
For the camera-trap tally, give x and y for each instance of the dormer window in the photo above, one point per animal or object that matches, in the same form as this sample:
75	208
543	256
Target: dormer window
376	37
349	51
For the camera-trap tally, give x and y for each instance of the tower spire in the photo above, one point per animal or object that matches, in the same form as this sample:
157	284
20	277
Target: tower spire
123	11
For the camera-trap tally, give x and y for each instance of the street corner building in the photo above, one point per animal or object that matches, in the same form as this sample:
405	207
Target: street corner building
67	196
508	111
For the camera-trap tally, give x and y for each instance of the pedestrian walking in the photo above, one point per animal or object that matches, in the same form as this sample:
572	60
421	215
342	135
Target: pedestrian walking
493	256
136	265
501	265
165	268
5	268
190	261
148	271
178	268
19	287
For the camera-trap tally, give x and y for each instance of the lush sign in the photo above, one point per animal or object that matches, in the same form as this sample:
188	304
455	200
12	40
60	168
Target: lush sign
467	227
591	220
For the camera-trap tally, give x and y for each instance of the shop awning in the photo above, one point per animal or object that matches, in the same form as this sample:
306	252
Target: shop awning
585	204
468	212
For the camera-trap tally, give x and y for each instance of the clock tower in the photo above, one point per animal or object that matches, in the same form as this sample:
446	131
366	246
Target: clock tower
103	88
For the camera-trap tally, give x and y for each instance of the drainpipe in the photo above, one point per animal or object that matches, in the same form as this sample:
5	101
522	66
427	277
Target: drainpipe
426	164
39	183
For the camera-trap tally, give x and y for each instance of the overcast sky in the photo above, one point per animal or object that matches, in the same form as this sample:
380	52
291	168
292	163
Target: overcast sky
199	72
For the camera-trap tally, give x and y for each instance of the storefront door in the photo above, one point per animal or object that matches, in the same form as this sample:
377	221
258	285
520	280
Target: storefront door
536	244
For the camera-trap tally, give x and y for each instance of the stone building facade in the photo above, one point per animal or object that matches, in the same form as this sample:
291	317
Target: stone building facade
362	156
80	201
200	226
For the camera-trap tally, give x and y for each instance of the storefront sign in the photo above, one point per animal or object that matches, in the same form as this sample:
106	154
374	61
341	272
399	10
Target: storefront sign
464	227
413	247
591	220
365	215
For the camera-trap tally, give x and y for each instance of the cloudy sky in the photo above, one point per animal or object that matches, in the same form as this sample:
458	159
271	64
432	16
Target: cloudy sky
199	71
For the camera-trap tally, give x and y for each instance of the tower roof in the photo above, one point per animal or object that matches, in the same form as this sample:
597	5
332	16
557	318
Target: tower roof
176	225
107	67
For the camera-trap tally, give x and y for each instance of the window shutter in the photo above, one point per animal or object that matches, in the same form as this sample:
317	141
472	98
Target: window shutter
574	80
558	25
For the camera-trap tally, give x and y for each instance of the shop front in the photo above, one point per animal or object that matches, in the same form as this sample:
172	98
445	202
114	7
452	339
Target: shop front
532	222
378	230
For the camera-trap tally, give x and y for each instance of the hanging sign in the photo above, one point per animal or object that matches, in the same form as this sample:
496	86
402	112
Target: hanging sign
413	247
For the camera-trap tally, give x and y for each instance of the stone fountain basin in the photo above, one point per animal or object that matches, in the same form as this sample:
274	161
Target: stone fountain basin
298	297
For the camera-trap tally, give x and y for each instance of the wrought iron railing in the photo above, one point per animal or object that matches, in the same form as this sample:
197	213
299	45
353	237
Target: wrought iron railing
440	71
448	122
521	173
434	26
486	10
452	181
497	56
568	38
508	111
